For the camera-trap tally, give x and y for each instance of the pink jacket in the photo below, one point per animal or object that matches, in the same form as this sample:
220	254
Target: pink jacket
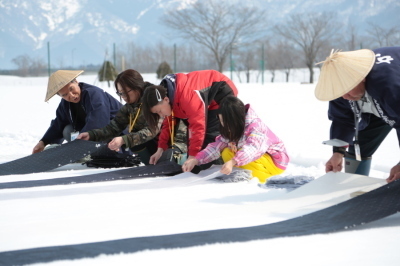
256	140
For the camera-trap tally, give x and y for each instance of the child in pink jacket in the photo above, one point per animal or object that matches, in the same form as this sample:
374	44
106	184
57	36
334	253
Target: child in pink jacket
245	142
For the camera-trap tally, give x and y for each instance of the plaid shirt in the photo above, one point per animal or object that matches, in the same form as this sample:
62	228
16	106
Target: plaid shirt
257	140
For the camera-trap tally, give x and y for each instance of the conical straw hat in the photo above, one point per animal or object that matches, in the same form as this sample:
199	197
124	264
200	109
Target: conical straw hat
342	72
59	79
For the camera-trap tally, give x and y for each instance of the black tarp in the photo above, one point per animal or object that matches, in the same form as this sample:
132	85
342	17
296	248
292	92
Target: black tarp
363	209
165	168
51	158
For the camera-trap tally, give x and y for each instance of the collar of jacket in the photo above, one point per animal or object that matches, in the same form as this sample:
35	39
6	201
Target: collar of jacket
135	104
169	82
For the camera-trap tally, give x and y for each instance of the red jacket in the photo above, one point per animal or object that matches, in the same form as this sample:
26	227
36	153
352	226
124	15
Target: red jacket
194	94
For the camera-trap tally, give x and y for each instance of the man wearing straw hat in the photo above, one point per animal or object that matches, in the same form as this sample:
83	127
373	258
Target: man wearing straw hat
363	88
83	107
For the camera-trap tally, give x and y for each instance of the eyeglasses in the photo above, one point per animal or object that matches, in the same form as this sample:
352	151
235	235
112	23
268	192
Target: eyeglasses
122	94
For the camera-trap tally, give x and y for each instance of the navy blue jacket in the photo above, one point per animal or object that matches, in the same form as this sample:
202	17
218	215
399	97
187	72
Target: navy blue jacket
383	84
99	106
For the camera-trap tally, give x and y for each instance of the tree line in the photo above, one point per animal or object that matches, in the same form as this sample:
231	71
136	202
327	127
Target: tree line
227	36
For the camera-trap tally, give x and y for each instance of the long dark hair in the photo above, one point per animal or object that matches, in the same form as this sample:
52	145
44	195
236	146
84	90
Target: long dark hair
233	114
152	96
130	79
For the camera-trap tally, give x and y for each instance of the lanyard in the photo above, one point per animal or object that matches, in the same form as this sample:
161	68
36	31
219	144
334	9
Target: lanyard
76	115
132	123
176	154
357	117
171	128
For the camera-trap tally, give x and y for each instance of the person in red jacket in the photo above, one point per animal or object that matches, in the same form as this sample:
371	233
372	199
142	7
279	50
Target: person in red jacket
193	97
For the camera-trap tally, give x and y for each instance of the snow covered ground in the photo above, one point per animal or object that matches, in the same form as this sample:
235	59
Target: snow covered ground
85	213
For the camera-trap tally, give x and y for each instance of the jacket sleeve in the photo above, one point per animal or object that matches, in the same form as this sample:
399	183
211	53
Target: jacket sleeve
140	134
54	134
164	134
255	144
98	110
383	84
342	118
195	111
113	129
212	151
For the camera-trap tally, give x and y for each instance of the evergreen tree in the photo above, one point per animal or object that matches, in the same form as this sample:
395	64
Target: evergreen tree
107	72
163	69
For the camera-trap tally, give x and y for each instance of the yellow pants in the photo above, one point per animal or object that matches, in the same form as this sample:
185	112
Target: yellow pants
262	168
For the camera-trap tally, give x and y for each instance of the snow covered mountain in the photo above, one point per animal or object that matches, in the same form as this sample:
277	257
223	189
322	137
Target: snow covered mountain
80	32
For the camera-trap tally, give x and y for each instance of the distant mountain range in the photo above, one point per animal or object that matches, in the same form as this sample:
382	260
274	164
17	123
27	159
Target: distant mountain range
80	32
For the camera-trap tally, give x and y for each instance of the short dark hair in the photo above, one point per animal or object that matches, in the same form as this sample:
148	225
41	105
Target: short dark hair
149	100
233	114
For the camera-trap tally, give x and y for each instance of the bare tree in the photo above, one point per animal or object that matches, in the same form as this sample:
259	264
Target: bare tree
273	59
146	59
353	40
309	31
191	57
288	57
37	67
217	25
164	52
350	39
382	36
246	61
28	66
23	63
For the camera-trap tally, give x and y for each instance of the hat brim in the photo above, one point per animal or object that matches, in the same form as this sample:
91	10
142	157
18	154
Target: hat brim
58	80
342	72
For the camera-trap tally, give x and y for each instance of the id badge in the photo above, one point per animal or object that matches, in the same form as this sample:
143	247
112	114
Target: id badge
74	135
358	153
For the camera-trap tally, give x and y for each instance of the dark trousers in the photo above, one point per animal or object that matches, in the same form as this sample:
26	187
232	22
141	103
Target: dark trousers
68	129
145	150
371	137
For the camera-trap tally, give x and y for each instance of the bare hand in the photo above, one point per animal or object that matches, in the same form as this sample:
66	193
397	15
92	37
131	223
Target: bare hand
84	136
38	148
394	174
227	167
116	143
335	163
156	156
189	164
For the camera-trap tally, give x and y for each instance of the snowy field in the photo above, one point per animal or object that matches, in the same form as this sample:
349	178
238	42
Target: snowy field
86	213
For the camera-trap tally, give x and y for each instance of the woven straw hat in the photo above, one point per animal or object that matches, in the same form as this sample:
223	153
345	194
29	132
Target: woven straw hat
59	79
342	72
